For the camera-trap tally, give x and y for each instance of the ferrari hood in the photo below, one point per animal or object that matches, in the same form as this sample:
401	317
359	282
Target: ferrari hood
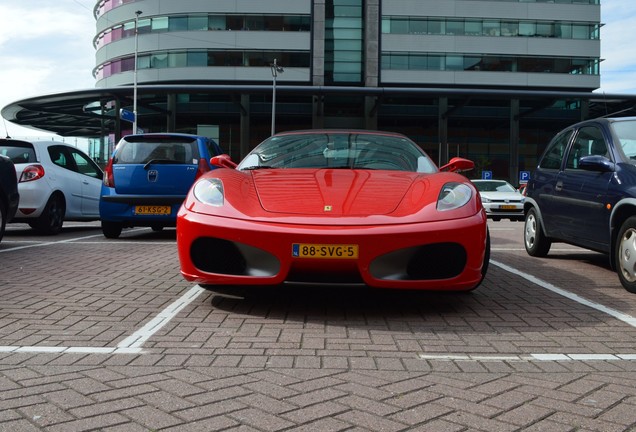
331	192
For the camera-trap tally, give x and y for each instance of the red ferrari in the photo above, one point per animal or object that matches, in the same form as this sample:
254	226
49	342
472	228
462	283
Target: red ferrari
334	207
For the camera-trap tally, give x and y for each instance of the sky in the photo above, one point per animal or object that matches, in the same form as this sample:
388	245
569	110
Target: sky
46	47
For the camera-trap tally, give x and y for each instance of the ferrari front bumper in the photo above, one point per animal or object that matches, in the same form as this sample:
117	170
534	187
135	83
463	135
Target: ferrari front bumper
442	255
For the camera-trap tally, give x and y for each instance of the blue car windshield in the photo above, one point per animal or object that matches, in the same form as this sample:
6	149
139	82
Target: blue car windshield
338	149
139	151
625	131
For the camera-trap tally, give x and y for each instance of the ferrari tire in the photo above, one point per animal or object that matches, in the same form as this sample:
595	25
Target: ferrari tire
485	264
111	230
625	256
52	218
534	239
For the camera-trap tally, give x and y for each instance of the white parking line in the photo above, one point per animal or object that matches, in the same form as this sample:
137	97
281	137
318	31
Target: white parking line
528	357
49	243
38	244
520	249
137	339
567	294
133	343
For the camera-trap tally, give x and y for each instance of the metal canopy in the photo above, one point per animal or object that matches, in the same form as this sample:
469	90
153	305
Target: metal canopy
93	112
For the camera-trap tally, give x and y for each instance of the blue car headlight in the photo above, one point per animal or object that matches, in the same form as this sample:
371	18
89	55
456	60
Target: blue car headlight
453	196
209	191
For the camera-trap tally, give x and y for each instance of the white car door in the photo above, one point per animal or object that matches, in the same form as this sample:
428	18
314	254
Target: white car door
90	177
62	175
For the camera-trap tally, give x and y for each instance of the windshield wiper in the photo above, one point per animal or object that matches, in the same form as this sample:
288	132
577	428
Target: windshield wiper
257	167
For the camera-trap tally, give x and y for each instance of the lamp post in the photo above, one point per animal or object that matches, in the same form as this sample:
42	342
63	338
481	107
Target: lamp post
137	13
276	69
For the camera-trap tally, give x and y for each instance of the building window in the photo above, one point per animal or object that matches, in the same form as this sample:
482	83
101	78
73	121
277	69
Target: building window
211	58
473	62
213	22
509	28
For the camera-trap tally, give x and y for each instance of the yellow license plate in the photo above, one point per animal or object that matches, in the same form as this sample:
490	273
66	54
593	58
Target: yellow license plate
507	207
152	210
333	251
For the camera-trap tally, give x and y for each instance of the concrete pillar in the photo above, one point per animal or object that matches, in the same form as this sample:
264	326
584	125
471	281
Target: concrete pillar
442	121
371	112
318	62
244	145
318	42
513	166
372	43
585	109
117	121
171	115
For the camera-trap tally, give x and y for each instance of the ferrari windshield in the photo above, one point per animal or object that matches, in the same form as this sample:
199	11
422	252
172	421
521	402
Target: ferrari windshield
339	149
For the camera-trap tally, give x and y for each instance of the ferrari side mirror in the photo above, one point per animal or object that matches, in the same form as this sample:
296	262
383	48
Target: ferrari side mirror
458	164
223	161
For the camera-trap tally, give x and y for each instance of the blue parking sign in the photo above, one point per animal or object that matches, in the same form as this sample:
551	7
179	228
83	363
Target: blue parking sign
524	176
486	175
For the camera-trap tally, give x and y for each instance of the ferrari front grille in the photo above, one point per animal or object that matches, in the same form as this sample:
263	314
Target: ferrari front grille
214	255
428	262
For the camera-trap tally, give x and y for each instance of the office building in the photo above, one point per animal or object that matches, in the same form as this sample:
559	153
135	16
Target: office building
491	80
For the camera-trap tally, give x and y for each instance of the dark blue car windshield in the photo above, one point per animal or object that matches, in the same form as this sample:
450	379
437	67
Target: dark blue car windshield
625	131
142	152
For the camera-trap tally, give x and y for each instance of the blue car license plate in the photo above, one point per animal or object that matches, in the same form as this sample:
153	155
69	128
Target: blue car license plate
152	210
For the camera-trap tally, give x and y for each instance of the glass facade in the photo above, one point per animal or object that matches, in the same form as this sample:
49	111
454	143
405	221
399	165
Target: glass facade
184	59
344	42
490	63
490	27
211	22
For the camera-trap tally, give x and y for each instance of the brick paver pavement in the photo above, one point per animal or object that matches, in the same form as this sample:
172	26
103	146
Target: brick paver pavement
503	358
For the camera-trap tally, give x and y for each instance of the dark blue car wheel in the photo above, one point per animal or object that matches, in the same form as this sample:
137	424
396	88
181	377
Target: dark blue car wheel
626	254
537	244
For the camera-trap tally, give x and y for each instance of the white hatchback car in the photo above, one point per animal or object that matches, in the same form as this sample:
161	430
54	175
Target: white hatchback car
500	199
57	182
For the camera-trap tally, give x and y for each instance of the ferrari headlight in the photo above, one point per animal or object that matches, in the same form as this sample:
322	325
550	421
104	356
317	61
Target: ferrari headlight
209	191
453	196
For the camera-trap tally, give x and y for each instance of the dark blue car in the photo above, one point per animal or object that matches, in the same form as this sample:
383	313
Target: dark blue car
147	178
9	196
583	192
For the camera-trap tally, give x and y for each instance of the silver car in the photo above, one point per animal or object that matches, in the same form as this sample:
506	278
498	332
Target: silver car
500	199
57	182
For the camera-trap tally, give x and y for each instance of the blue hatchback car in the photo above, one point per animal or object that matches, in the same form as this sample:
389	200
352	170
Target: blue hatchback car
583	192
147	178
